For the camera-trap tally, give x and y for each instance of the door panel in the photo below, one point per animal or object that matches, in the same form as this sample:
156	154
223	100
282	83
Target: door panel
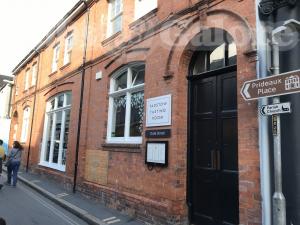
214	165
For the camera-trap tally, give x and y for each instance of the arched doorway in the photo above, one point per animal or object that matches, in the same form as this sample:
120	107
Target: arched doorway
213	141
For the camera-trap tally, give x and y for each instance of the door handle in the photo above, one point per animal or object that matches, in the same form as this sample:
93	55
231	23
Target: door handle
218	159
213	159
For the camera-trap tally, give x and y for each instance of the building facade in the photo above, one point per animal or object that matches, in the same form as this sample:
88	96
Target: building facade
6	83
137	103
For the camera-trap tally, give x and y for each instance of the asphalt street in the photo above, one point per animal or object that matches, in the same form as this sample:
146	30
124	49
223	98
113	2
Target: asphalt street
22	206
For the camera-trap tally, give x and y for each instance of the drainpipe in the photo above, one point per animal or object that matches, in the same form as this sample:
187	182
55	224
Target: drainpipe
264	145
33	112
81	96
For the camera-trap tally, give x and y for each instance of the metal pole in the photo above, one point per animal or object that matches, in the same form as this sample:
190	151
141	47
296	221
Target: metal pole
279	205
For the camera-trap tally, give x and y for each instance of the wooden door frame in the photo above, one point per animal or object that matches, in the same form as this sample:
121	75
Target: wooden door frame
190	79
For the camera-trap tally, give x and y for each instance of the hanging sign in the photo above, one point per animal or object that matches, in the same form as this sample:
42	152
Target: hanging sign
282	84
268	110
158	112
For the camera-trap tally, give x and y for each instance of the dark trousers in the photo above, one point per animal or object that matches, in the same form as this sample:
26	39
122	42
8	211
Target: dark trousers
12	171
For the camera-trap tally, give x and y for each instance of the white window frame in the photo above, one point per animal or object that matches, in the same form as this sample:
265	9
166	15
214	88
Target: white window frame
27	75
25	124
68	48
128	92
113	16
34	74
142	7
55	58
57	166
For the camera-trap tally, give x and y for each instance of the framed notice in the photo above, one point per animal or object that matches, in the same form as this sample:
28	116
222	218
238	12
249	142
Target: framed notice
157	153
158	111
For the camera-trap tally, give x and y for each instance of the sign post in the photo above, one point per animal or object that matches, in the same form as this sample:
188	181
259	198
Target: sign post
279	84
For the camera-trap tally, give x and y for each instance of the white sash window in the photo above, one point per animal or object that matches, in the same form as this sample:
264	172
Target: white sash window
56	131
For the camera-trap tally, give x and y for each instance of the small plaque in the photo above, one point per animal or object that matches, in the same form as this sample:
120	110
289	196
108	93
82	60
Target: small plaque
165	133
157	153
274	125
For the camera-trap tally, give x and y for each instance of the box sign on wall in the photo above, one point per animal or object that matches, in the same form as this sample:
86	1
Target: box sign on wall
158	111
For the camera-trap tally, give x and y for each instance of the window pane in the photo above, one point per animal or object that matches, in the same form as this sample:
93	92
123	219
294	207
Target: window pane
52	103
121	82
117	24
69	98
66	134
137	114
200	63
57	136
119	110
232	54
48	140
138	75
217	58
60	101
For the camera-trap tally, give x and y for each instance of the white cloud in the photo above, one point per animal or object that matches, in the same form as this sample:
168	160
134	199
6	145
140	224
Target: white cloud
23	23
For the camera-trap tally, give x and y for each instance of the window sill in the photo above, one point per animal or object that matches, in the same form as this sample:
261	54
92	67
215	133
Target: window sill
52	74
131	148
53	166
111	38
65	66
143	19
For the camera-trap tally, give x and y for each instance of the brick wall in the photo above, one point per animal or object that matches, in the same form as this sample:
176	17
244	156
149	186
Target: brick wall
161	40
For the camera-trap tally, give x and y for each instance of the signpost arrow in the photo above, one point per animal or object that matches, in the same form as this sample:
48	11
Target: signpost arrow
268	110
282	84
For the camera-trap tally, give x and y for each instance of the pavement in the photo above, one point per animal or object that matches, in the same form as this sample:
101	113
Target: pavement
88	210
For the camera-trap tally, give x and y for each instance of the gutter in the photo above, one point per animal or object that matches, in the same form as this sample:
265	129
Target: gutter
33	112
86	34
73	13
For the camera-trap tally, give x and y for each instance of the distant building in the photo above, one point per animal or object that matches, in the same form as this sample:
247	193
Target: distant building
5	98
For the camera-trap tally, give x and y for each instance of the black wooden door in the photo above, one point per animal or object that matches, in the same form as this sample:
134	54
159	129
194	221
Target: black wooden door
214	152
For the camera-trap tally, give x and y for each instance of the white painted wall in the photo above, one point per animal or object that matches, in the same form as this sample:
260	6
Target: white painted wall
4	115
4	101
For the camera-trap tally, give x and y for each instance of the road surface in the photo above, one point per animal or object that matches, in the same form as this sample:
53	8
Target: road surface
22	206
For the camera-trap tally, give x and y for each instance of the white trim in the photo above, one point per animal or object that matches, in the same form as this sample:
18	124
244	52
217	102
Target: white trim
68	48
112	19
55	58
124	92
27	75
25	124
47	125
34	74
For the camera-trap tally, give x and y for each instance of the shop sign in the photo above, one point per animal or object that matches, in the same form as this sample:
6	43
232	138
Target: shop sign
282	84
268	110
158	111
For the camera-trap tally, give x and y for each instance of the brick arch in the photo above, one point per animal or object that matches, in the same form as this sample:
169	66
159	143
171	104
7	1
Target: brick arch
178	66
67	86
232	23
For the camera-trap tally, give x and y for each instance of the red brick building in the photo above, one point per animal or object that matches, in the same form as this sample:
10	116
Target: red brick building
83	99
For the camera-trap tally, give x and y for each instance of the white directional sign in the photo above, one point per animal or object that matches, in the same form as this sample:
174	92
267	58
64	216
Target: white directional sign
268	110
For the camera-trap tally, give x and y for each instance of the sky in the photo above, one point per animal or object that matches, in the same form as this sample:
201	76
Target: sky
23	24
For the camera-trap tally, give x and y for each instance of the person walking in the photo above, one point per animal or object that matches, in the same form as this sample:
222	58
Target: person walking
2	157
14	161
